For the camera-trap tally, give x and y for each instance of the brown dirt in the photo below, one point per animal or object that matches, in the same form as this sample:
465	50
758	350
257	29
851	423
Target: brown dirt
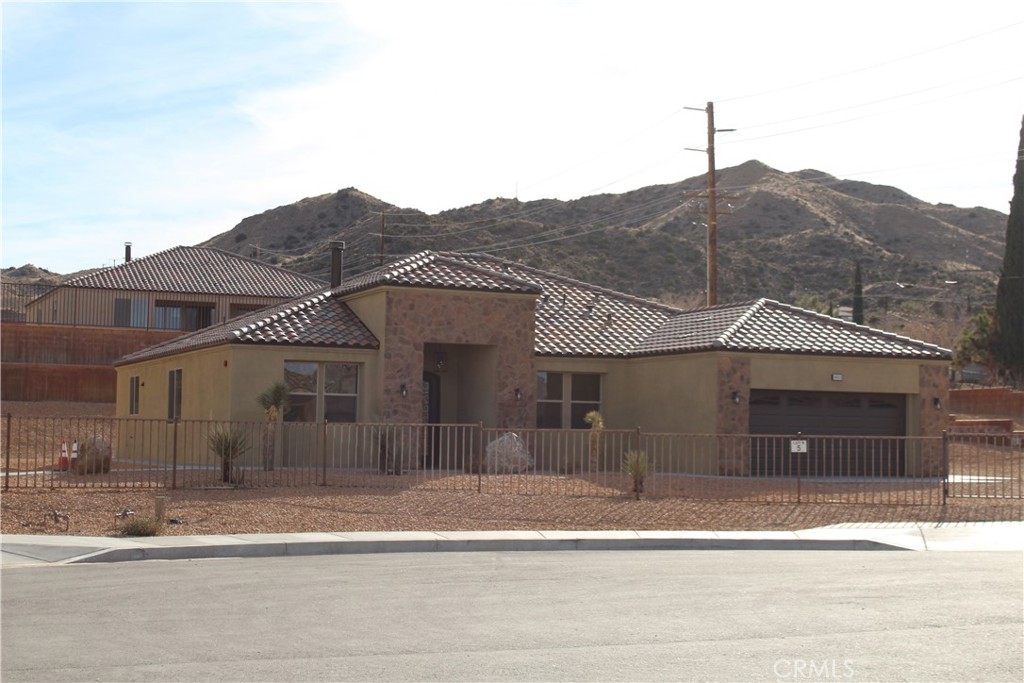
307	509
421	506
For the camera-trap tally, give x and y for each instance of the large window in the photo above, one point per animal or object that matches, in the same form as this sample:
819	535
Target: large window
133	395
319	392
583	391
174	395
130	312
187	317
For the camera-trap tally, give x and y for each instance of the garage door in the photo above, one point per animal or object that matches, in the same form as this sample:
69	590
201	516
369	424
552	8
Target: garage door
847	434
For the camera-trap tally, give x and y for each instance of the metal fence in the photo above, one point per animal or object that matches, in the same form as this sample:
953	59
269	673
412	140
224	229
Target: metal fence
138	453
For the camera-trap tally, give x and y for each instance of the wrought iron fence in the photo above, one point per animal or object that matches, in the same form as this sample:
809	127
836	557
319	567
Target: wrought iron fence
985	465
134	453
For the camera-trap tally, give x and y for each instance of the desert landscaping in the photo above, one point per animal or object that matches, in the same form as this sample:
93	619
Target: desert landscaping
421	506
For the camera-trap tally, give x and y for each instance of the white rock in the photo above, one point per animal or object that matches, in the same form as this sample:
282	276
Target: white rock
508	455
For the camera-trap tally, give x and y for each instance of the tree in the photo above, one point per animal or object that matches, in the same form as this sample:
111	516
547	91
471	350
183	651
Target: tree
1008	346
858	296
975	343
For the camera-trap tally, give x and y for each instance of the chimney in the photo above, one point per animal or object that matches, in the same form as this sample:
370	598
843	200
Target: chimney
127	252
337	262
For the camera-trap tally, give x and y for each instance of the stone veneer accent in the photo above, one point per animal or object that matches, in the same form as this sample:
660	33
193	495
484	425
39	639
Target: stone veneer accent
933	383
733	418
504	322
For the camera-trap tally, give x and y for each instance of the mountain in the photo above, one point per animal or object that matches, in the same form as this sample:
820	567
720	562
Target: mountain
29	274
794	237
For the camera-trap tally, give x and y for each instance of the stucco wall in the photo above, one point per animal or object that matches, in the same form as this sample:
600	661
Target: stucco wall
809	373
223	382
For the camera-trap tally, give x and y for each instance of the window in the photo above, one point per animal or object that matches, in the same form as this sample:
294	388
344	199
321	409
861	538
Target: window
174	395
133	395
553	411
236	310
321	391
130	312
341	384
187	317
549	400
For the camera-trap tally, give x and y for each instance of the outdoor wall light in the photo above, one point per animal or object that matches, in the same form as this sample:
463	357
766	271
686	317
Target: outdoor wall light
736	397
519	394
405	391
937	403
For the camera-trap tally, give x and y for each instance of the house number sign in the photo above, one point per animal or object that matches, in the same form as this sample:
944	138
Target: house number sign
798	446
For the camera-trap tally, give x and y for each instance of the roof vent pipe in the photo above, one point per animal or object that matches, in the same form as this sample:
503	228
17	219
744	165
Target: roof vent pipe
337	263
127	252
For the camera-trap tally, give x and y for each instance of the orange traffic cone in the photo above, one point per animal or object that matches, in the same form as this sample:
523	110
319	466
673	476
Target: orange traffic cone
63	463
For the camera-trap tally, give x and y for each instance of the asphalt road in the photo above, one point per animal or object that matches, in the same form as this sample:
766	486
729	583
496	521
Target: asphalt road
650	615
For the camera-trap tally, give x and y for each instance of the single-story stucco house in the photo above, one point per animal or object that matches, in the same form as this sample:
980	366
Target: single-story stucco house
474	339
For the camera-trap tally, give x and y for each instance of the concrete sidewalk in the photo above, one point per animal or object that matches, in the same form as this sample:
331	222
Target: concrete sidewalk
23	550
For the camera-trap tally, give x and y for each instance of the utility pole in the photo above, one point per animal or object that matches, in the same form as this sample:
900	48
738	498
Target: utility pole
712	247
382	239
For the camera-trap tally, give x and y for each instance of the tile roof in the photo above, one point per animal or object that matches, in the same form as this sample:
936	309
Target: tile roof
200	270
438	270
573	318
320	320
579	319
767	326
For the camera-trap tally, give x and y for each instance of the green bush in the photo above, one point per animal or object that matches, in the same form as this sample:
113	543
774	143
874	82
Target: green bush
141	526
637	466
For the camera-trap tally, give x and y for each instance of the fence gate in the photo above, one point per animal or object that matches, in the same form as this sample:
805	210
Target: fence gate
984	465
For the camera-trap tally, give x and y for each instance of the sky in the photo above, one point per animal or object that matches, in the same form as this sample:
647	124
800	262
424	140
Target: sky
167	123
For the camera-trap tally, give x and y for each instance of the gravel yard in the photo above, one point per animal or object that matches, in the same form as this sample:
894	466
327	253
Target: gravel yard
91	511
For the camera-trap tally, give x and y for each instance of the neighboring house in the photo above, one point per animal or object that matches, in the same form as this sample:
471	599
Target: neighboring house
183	289
466	338
68	337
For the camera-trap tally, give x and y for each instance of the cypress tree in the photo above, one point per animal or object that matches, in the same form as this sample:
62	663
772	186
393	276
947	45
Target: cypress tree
1009	342
858	297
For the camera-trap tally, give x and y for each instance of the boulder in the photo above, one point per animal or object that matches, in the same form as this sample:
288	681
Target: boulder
508	455
94	456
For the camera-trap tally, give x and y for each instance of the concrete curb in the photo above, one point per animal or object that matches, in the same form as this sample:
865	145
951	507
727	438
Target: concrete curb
27	550
305	548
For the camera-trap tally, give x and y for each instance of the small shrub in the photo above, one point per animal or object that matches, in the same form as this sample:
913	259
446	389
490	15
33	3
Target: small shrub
637	466
141	526
240	237
229	445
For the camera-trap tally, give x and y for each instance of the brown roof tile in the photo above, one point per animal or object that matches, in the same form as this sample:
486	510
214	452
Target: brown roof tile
200	270
769	326
321	320
573	318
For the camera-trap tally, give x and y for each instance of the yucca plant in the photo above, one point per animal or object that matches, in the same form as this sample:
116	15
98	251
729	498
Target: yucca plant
636	465
596	422
229	445
274	401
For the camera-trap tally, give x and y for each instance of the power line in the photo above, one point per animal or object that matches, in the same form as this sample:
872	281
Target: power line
870	67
